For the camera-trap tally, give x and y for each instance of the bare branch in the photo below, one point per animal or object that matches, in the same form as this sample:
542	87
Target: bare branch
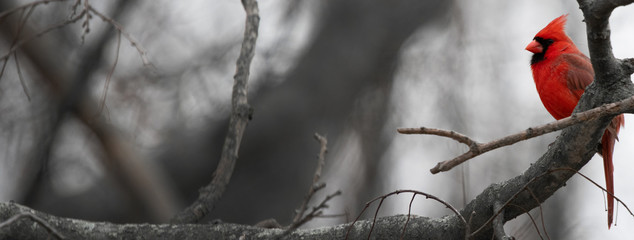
596	15
240	116
386	227
498	223
26	13
439	132
26	6
19	44
315	212
22	82
383	197
530	217
541	212
36	219
409	214
476	149
300	218
142	52
532	195
107	83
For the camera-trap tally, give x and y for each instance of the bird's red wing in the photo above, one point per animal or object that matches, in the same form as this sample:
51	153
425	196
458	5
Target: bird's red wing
580	73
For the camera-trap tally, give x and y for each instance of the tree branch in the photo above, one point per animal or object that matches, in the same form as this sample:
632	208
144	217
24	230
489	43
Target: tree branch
597	14
300	217
68	88
498	222
42	222
240	116
476	149
385	228
572	149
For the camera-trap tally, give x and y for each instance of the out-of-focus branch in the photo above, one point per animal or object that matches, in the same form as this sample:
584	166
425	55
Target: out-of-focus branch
476	148
17	45
142	52
15	218
139	181
240	116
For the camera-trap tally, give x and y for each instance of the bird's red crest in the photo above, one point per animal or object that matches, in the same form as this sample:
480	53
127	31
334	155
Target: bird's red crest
555	30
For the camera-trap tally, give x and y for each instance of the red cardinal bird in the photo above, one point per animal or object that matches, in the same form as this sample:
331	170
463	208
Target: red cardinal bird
561	74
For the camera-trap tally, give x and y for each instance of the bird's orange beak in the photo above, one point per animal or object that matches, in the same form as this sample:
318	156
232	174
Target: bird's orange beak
535	47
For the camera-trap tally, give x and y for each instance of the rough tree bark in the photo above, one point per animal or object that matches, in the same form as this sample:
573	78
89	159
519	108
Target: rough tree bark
572	149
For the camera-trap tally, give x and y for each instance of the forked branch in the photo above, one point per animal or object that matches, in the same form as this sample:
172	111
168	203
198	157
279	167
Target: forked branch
301	217
476	148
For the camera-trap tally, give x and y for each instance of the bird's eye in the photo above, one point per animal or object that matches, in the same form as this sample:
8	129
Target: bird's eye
544	42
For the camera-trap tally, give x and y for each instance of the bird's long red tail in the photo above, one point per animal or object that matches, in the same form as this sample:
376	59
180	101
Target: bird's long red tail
607	147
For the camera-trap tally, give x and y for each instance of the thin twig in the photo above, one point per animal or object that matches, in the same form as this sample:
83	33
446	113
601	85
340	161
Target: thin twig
498	222
85	25
529	216
24	6
409	214
240	116
315	186
142	52
23	20
15	54
476	149
19	44
541	212
22	82
376	213
315	212
36	219
109	77
602	188
301	218
525	187
427	196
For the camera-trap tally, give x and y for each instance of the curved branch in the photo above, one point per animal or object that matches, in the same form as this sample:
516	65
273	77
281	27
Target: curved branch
240	116
383	197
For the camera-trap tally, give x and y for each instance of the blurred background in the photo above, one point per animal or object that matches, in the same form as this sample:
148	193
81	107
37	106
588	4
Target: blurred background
126	127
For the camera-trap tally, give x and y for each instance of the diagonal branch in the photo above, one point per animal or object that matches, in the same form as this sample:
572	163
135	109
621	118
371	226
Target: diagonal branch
476	149
240	116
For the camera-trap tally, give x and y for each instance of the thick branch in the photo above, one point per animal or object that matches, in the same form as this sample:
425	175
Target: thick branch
597	14
240	116
498	223
385	228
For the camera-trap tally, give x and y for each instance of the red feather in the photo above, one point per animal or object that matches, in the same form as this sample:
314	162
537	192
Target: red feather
562	73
